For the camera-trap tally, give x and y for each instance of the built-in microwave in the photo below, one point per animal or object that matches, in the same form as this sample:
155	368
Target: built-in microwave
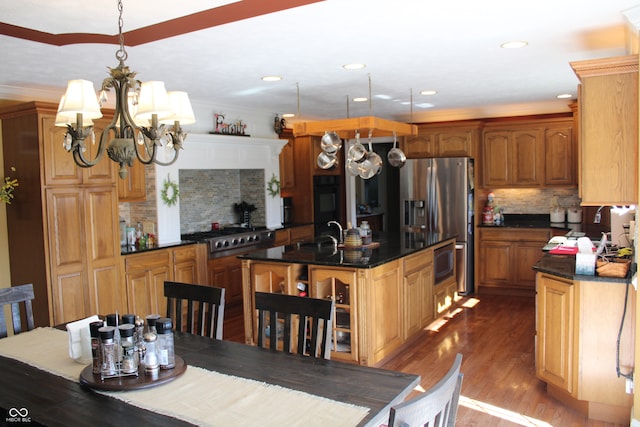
444	265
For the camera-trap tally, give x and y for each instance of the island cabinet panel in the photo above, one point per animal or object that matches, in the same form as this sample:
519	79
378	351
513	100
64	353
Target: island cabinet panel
226	272
418	292
339	284
580	342
380	305
608	120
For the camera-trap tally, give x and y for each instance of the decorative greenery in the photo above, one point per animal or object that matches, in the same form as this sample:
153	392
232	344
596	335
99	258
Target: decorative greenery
273	186
169	192
244	207
6	191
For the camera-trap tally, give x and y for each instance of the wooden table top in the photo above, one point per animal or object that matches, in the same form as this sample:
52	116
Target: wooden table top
53	400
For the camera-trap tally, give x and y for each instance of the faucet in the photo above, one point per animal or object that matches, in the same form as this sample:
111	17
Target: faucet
337	224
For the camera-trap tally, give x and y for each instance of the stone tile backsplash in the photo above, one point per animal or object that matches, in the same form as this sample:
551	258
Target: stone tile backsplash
208	196
530	200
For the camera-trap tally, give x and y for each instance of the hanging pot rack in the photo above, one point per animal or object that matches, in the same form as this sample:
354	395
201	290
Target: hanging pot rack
347	128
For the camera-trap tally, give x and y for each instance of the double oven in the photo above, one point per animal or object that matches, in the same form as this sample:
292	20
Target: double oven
327	202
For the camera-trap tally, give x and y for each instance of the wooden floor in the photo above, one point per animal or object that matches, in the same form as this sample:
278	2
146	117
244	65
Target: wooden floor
495	335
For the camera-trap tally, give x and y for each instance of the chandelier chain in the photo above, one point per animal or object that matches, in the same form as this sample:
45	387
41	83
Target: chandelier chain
121	53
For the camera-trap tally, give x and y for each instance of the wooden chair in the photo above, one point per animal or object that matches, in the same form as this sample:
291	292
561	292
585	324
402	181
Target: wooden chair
436	407
315	323
14	296
205	308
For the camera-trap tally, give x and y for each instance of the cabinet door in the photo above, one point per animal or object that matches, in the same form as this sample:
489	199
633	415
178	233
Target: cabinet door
560	157
226	272
299	234
145	275
133	187
420	146
60	168
384	296
455	143
101	232
340	285
555	321
185	265
527	158
495	263
287	165
281	237
496	157
69	295
526	254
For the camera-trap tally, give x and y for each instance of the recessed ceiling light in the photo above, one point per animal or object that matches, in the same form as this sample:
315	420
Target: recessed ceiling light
354	66
564	96
428	92
424	105
360	99
271	78
514	44
288	115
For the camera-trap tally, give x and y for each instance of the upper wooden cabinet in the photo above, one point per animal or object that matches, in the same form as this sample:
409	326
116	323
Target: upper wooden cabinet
453	139
608	117
287	167
133	187
528	153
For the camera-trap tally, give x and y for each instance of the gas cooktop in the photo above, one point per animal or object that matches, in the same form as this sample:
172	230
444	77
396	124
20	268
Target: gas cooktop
232	240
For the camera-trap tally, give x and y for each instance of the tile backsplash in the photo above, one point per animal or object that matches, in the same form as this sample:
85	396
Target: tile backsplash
208	196
530	200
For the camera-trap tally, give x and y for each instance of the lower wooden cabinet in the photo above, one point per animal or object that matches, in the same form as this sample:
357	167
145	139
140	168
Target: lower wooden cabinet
226	272
146	272
506	258
418	292
580	343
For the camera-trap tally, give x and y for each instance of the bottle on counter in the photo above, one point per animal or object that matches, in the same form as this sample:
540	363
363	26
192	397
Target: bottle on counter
150	362
129	363
108	352
365	232
94	331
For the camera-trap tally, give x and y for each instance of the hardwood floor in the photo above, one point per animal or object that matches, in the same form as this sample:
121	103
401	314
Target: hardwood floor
495	335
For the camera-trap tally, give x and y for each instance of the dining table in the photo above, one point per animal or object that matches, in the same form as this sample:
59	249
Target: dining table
28	392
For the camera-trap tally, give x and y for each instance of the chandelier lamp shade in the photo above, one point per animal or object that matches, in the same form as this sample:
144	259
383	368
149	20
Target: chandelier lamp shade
147	118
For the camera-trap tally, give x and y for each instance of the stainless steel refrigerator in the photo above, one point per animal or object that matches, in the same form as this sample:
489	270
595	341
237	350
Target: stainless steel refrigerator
436	195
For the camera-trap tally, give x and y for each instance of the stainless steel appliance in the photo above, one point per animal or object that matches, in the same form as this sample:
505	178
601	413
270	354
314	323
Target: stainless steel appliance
232	240
437	196
326	202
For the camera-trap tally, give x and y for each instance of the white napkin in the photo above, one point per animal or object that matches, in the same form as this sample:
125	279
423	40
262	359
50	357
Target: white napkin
80	339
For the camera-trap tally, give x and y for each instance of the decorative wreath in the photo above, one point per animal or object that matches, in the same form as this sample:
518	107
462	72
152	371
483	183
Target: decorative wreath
273	186
169	192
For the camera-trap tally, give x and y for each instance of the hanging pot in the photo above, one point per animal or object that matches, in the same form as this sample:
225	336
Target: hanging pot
330	142
396	156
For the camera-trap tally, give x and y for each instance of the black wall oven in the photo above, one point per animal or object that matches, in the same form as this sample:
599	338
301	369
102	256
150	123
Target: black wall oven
326	202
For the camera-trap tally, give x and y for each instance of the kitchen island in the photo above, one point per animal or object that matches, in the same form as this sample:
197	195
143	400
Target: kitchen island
385	293
585	338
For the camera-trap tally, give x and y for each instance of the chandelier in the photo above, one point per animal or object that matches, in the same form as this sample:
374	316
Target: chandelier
144	113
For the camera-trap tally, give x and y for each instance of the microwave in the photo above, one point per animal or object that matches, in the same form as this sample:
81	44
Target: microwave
444	265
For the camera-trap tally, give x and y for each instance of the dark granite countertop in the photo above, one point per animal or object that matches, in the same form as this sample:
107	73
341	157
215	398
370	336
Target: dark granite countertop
565	266
128	250
392	246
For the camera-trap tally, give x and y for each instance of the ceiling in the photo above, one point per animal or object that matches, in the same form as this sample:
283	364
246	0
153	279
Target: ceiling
219	50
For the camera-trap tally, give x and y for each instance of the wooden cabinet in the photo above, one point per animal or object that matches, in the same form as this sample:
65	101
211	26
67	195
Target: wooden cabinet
579	344
608	117
281	237
513	157
454	139
291	235
226	272
287	166
554	331
418	292
146	272
133	187
63	224
529	153
339	284
506	258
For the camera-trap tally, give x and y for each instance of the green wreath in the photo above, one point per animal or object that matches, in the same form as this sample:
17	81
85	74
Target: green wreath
170	192
273	186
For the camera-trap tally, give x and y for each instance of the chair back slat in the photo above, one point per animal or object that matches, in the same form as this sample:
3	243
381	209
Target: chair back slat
438	406
14	297
313	317
204	308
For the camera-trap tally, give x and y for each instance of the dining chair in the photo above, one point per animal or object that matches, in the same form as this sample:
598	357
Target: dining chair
204	304
14	296
437	407
314	323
